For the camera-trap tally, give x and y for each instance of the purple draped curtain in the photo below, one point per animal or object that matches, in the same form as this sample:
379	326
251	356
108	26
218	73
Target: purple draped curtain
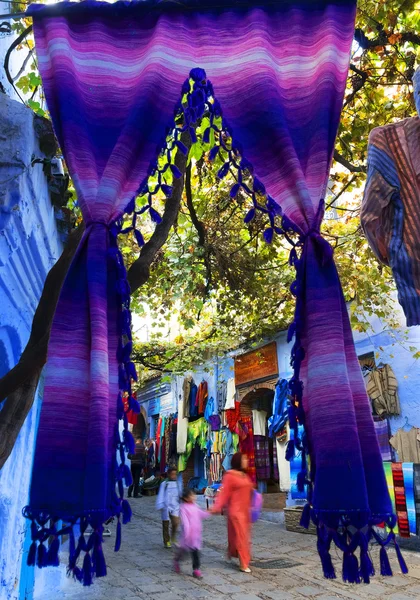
113	75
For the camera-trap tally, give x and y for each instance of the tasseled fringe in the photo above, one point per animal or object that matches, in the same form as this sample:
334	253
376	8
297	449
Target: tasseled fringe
290	450
126	511
87	570
366	566
126	473
41	556
350	568
403	565
301	481
386	570
98	560
52	558
323	545
305	519
118	536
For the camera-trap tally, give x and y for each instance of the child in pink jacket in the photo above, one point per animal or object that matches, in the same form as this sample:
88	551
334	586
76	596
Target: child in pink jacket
191	532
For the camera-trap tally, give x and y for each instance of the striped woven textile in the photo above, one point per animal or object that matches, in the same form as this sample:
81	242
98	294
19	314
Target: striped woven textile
390	215
408	474
400	499
270	78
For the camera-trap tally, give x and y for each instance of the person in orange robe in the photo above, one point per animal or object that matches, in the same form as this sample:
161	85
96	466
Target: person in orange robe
235	496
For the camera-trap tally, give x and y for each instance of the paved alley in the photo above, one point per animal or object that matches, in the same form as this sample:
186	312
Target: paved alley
285	567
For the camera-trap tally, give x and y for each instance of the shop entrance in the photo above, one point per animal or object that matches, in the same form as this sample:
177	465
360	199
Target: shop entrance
140	428
257	406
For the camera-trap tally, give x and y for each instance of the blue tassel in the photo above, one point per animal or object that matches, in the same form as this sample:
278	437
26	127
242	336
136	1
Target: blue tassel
99	564
118	537
126	511
52	558
366	566
41	557
78	574
129	442
290	450
350	568
401	560
325	556
134	405
127	475
268	235
301	481
87	570
72	544
31	555
386	570
306	516
34	531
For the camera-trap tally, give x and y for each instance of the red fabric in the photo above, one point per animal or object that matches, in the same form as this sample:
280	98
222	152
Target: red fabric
232	416
400	501
235	495
132	417
201	398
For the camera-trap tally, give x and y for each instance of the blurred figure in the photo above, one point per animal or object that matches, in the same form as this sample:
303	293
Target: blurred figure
168	504
235	495
138	463
191	532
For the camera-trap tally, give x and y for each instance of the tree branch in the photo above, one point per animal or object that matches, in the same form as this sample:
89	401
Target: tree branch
139	271
200	230
347	164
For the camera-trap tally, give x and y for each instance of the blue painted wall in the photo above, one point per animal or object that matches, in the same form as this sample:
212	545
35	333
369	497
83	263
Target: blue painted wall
29	246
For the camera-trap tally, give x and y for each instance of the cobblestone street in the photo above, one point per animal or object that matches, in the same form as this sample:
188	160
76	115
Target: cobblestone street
285	567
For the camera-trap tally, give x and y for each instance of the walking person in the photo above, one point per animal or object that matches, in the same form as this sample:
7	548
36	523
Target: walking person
168	504
138	464
191	532
235	497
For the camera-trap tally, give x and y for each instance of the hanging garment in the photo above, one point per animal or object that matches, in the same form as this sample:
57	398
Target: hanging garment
280	408
381	387
221	395
408	475
390	483
400	501
229	446
417	494
113	117
262	457
168	432
202	396
162	447
192	400
230	394
382	435
181	434
186	389
274	461
246	446
208	413
390	207
197	433
407	444
158	440
232	416
295	468
215	468
283	465
214	422
259	422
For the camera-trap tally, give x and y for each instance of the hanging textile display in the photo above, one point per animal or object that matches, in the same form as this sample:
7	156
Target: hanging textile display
408	475
262	457
247	446
400	501
123	82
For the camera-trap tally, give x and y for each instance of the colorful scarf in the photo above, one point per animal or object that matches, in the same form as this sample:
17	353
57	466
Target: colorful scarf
270	78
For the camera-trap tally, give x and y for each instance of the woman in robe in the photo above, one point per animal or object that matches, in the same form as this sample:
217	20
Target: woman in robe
235	497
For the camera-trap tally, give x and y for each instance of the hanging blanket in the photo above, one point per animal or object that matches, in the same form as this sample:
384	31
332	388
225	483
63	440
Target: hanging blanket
123	83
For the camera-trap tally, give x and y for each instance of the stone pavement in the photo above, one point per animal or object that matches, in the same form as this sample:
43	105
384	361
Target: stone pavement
286	567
